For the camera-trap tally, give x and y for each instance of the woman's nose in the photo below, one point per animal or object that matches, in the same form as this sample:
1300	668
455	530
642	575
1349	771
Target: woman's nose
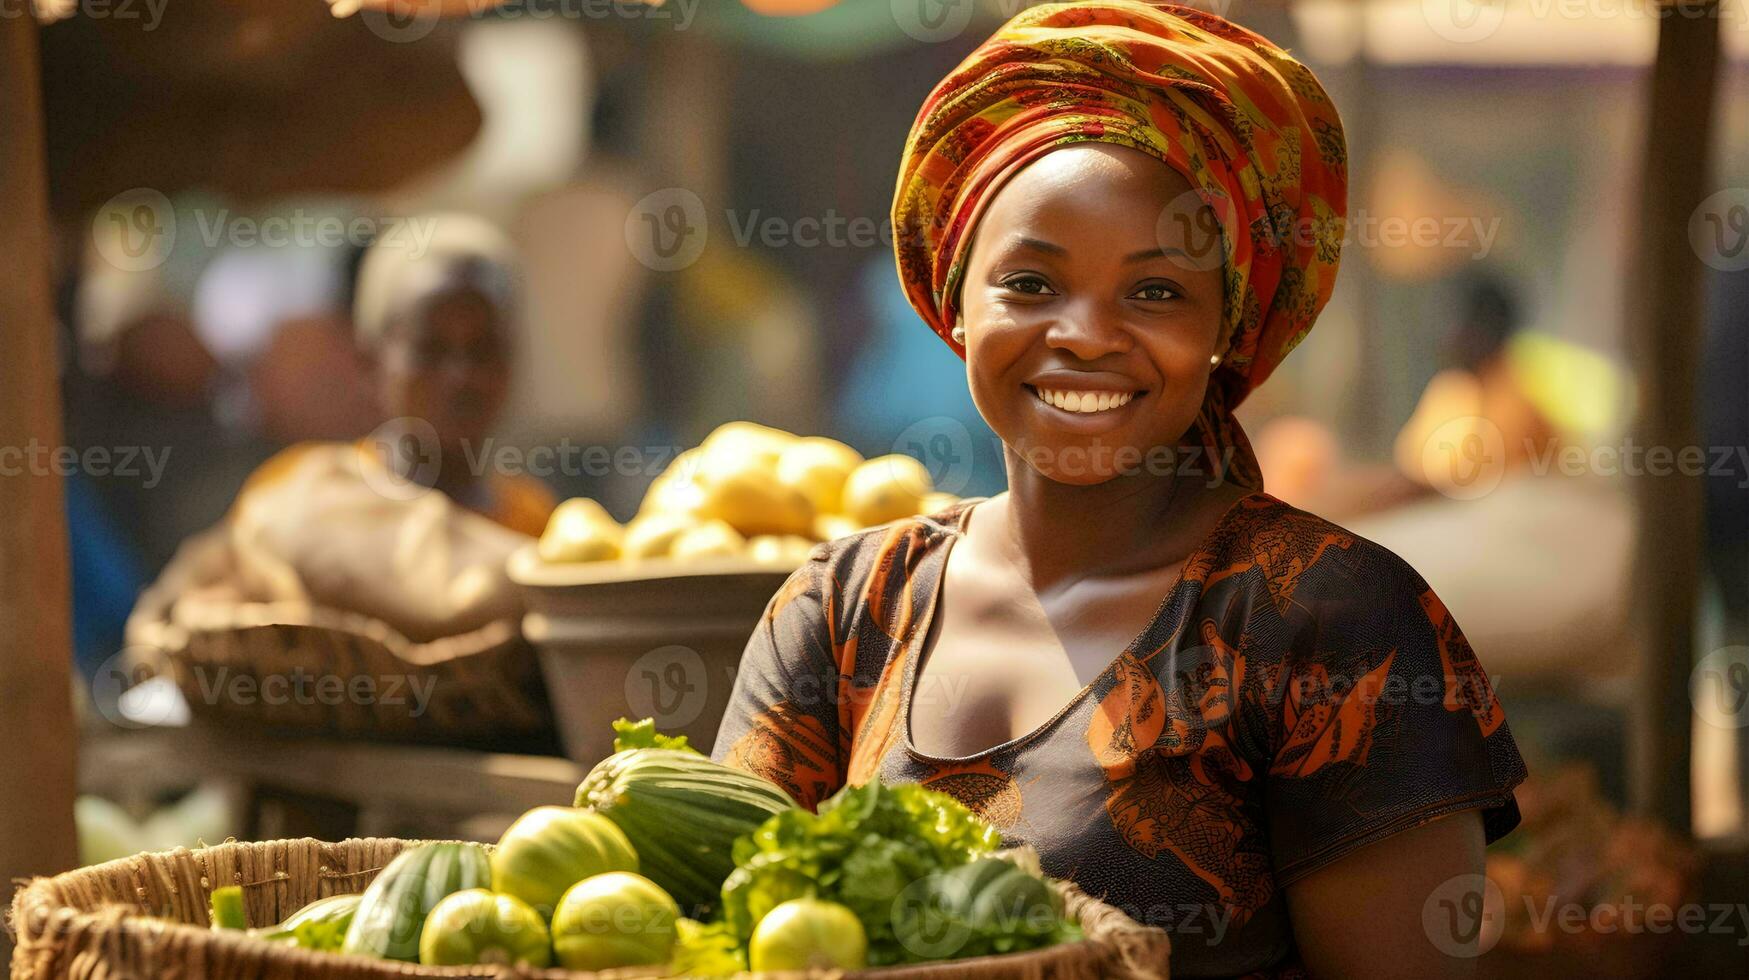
1088	330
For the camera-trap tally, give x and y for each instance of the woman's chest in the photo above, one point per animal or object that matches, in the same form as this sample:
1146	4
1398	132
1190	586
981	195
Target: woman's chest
999	660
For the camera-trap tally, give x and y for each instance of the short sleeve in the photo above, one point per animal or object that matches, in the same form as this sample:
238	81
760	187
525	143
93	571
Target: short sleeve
1386	719
782	718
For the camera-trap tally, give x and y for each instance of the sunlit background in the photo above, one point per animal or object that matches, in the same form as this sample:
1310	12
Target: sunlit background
699	196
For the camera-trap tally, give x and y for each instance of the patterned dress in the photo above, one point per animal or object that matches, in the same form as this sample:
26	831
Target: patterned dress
1300	693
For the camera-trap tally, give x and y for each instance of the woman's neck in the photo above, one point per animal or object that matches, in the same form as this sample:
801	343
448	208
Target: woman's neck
1059	533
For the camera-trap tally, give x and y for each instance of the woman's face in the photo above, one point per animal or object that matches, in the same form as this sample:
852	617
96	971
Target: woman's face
1092	304
447	363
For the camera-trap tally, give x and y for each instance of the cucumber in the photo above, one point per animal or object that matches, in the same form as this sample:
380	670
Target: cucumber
320	925
682	814
392	912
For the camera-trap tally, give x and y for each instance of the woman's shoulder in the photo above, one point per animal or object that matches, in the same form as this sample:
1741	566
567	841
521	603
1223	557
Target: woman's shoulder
1296	555
867	570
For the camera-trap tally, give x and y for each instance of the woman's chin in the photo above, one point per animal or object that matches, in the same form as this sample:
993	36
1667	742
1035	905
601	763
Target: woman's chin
1081	462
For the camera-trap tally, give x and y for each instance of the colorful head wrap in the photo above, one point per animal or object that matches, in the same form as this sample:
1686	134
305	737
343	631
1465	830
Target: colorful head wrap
1248	126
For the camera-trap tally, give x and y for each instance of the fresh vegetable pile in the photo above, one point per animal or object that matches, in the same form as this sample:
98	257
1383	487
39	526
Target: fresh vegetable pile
670	860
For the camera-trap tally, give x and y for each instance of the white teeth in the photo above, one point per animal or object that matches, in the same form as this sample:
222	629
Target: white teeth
1084	401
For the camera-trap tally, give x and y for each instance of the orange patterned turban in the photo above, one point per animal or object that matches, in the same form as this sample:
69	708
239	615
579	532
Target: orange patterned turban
1248	126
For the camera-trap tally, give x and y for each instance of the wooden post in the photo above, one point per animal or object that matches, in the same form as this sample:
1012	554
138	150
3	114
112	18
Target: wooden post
36	706
1664	307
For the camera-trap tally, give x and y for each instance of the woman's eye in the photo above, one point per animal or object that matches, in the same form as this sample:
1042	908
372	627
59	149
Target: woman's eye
1029	284
1155	292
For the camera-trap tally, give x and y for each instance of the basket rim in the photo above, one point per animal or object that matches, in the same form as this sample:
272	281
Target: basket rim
35	919
526	568
226	617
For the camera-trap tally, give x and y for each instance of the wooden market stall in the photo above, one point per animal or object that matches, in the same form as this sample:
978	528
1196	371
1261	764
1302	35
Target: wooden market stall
37	732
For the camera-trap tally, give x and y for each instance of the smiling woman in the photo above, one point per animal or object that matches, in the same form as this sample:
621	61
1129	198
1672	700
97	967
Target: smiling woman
1226	716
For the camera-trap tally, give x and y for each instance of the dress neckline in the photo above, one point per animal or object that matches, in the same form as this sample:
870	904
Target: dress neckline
920	636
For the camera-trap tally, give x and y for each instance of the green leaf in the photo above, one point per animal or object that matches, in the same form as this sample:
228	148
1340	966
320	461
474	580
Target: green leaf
706	950
628	734
227	903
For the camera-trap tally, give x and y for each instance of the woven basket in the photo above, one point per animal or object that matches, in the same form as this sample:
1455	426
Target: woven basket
93	924
242	662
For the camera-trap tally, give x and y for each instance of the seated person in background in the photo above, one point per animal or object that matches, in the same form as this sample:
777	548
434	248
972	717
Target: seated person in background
408	525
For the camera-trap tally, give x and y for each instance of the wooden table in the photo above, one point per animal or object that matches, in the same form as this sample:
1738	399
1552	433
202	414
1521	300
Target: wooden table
290	786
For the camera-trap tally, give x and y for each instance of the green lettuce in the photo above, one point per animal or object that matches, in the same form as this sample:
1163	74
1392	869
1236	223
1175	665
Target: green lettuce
706	949
873	848
628	734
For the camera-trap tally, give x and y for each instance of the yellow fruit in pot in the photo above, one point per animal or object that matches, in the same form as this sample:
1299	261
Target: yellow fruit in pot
885	489
817	467
747	439
780	549
744	491
830	526
675	490
653	535
580	530
712	538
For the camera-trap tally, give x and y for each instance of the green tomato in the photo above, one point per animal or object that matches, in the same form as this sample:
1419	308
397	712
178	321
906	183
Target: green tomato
476	926
808	934
550	848
614	919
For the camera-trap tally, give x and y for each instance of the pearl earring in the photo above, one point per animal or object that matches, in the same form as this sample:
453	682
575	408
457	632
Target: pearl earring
1214	360
959	334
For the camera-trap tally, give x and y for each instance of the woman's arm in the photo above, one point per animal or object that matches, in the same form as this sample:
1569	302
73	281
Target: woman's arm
1366	915
781	722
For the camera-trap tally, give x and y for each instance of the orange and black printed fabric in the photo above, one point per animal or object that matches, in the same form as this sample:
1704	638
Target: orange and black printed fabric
1301	693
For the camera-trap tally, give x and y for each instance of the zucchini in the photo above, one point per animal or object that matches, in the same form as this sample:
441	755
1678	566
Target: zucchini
392	912
682	814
